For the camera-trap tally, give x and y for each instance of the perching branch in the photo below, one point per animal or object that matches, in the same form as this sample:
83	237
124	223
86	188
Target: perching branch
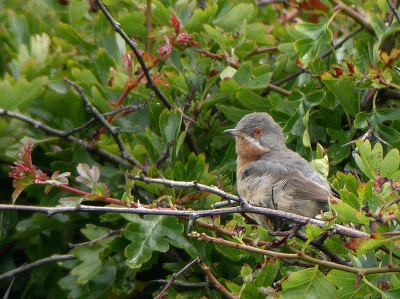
244	208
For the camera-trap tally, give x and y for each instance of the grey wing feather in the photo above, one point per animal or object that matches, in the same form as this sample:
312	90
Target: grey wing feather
287	180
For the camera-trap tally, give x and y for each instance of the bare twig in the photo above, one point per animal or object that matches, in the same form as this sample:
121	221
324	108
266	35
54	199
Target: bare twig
175	276
150	83
341	43
28	267
165	155
214	281
132	44
113	131
181	184
65	135
183	284
125	109
354	15
92	242
394	11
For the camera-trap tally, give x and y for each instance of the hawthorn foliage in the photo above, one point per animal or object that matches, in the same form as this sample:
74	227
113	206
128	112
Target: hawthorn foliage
98	98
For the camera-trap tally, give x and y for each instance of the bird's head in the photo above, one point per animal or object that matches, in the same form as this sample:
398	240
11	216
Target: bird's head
258	131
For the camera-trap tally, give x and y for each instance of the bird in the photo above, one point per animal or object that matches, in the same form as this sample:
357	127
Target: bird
271	175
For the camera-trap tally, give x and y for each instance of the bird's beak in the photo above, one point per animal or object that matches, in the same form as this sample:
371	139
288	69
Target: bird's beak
235	132
231	131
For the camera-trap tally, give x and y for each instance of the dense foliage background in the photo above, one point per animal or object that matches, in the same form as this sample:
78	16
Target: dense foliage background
83	107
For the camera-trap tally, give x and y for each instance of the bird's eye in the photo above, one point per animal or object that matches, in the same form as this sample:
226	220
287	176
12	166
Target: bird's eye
258	132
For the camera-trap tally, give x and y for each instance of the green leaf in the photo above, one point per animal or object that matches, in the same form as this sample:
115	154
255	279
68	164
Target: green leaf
251	100
390	163
149	234
316	32
97	287
235	17
91	264
347	214
368	159
71	35
309	283
365	245
170	122
342	90
22	93
261	81
39	223
243	74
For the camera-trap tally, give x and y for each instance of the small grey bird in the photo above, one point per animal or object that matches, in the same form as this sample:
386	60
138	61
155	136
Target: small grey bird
271	175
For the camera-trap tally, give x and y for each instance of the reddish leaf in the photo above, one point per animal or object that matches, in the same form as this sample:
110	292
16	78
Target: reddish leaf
175	23
24	173
164	51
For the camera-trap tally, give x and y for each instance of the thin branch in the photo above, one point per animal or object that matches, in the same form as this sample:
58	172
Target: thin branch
132	44
320	246
257	51
394	11
183	284
175	276
65	135
113	130
245	208
213	280
92	242
165	155
354	15
296	256
28	267
181	184
150	83
120	110
341	43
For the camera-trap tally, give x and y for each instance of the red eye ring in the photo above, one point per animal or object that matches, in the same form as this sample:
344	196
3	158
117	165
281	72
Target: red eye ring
258	132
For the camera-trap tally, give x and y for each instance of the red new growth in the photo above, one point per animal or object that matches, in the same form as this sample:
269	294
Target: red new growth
175	23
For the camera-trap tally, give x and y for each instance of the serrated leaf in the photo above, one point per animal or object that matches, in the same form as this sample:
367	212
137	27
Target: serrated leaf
365	245
70	201
235	17
20	94
152	233
347	214
88	176
309	283
390	163
368	159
